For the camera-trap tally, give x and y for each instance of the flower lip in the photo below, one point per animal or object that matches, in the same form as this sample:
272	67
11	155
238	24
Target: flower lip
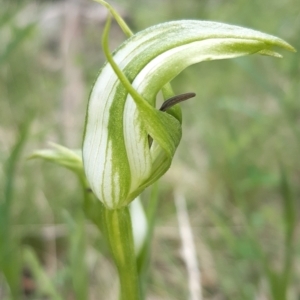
170	103
175	100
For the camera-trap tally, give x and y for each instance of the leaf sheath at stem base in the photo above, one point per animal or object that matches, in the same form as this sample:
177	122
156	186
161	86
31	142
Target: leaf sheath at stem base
118	231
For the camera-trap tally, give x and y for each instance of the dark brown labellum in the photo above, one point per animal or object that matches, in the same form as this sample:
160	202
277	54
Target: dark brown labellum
171	102
175	100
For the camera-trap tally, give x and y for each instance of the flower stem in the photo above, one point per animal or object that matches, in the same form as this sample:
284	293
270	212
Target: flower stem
118	231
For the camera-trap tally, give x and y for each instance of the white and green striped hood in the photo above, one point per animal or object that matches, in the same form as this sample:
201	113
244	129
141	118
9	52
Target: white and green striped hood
117	159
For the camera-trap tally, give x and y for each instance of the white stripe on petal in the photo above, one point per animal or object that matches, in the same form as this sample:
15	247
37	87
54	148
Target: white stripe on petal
170	63
136	141
95	156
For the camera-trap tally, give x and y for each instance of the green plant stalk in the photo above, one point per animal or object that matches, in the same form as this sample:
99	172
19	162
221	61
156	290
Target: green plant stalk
279	282
10	264
45	285
115	225
118	231
143	260
117	17
77	251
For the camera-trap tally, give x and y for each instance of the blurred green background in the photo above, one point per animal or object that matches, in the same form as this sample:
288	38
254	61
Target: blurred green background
237	165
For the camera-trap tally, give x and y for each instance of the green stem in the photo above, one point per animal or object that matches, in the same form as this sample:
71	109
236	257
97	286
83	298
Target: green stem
118	231
116	227
117	17
143	259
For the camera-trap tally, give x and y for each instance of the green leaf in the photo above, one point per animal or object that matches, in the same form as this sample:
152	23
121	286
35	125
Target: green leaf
60	155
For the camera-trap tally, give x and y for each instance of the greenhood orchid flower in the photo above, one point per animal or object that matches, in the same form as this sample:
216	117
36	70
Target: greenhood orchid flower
118	161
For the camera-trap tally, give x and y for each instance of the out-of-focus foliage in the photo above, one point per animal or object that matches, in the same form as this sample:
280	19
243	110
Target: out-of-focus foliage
237	164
